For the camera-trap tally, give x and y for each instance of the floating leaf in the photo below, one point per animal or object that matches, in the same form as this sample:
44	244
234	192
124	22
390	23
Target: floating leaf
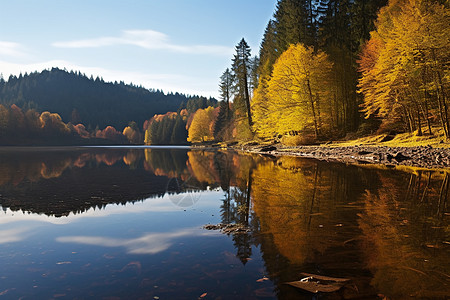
318	283
262	279
203	295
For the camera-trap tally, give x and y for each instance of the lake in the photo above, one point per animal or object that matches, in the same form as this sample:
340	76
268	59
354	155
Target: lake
127	223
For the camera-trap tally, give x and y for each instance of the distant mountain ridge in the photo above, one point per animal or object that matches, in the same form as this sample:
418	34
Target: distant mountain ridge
92	102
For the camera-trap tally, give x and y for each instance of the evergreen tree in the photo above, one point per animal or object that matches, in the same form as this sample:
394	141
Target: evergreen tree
241	69
223	123
254	77
179	133
267	51
226	89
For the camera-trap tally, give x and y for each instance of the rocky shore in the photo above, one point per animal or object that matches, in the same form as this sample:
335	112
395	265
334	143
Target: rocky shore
421	156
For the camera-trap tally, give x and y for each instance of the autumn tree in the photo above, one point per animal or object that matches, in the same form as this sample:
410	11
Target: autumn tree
202	126
299	91
132	133
403	65
52	124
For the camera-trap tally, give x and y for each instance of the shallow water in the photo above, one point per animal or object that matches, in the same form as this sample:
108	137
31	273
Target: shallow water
119	223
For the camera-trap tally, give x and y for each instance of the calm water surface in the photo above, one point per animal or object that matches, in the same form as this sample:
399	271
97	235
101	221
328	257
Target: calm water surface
118	223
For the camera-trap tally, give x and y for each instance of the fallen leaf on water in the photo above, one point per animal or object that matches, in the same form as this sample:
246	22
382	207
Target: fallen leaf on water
203	295
317	283
262	279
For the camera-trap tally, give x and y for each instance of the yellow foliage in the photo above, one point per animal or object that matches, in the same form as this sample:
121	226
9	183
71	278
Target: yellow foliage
296	97
132	135
403	63
52	122
202	126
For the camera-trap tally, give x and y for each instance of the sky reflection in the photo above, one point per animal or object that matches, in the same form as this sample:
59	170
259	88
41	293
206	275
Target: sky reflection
150	243
168	203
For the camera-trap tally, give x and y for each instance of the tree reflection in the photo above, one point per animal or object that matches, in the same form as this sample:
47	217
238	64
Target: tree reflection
352	222
404	235
385	229
58	182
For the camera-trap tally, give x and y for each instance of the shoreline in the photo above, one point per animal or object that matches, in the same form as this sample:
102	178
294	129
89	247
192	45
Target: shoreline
417	156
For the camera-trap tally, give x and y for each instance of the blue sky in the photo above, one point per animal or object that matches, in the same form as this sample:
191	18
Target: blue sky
174	45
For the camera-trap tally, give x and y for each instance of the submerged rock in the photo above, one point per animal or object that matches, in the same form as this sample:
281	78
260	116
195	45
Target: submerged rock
228	228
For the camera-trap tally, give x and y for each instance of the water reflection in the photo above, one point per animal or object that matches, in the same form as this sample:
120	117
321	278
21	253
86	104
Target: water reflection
61	182
387	230
150	243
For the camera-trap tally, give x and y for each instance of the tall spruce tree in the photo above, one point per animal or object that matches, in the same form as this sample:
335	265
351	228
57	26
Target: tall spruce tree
294	21
226	89
267	51
241	69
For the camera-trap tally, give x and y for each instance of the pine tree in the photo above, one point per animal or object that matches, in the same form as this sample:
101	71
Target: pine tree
241	69
268	51
226	89
179	133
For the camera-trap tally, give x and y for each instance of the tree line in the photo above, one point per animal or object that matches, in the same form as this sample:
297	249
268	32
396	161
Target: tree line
30	127
333	67
60	107
91	101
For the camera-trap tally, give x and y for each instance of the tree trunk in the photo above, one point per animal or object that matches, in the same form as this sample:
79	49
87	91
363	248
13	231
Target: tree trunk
439	88
419	122
316	131
247	99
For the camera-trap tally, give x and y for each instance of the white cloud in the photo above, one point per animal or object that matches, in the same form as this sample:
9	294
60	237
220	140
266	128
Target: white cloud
11	49
148	39
150	243
12	235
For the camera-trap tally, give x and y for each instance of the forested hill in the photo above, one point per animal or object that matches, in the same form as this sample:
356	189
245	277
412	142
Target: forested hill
92	102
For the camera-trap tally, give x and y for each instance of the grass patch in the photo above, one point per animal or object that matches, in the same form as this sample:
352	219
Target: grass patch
436	140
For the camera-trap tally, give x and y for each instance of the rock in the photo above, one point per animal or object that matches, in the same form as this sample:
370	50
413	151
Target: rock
364	152
268	148
399	157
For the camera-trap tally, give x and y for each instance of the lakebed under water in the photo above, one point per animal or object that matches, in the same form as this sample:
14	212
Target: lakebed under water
127	223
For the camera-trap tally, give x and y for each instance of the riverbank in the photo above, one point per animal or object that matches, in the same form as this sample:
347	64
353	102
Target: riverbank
406	149
418	156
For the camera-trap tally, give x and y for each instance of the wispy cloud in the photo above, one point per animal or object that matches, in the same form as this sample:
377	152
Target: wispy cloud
11	49
13	235
150	243
148	39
